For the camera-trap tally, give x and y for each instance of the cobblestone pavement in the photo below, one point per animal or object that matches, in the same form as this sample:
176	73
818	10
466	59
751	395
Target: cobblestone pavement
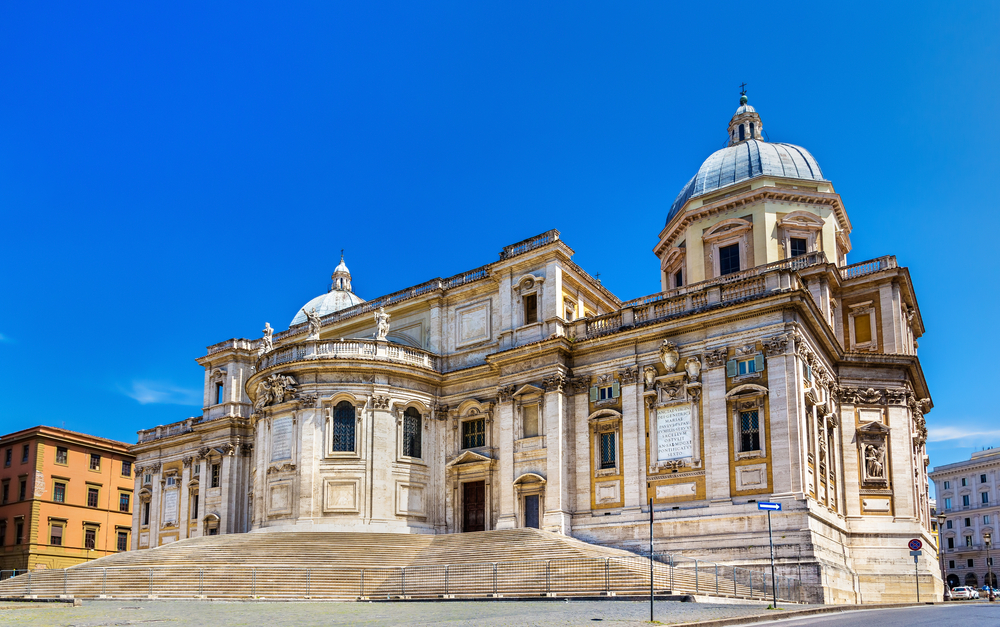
481	613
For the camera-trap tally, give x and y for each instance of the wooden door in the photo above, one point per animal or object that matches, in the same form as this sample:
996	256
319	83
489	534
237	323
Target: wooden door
531	511
474	506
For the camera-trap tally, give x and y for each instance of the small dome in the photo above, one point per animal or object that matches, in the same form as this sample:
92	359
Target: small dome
747	156
332	301
339	297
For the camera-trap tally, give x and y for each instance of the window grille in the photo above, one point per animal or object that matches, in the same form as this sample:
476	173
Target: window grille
92	496
749	431
62	455
59	493
608	450
474	433
411	432
344	420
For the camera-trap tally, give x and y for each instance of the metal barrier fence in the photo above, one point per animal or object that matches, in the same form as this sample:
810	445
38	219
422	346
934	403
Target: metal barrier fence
525	578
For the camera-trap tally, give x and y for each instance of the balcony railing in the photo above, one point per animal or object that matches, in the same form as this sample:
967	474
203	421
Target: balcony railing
369	350
867	267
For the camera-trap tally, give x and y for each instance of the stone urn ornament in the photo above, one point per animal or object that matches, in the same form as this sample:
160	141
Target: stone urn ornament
669	355
693	368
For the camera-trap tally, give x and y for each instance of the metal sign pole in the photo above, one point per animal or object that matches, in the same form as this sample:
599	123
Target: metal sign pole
916	574
774	588
650	559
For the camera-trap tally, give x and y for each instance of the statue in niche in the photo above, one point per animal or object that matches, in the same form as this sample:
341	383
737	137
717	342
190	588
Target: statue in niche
669	355
266	343
381	324
875	461
314	324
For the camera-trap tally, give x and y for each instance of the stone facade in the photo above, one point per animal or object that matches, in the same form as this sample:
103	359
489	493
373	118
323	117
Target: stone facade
524	393
968	496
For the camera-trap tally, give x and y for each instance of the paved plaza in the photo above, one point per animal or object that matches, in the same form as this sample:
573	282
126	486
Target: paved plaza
301	614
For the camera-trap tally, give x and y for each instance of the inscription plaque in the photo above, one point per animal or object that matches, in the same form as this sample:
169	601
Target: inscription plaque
674	437
281	439
170	507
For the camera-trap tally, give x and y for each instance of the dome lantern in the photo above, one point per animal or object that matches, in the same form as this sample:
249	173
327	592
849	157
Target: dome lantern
341	276
339	296
745	123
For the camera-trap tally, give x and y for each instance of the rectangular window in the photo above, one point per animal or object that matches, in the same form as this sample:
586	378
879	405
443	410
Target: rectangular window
123	499
968	522
474	433
219	397
729	259
970	562
62	455
951	543
608	450
344	423
93	494
90	538
194	506
948	524
22	490
147	479
965	500
947	485
3	532
964	482
122	540
798	246
862	329
679	278
59	492
746	366
530	309
19	532
982	478
989	561
145	514
529	420
968	541
6	492
126	469
171	481
411	432
95	462
951	564
985	496
24	454
986	519
215	475
7	456
947	503
56	535
749	431
197	470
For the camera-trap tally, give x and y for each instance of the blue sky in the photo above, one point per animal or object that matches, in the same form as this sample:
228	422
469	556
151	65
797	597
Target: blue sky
173	174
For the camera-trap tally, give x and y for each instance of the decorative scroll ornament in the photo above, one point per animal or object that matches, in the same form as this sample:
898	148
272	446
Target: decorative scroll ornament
629	376
380	402
669	355
505	393
775	345
276	388
154	468
579	384
228	449
554	383
716	358
693	368
381	324
649	377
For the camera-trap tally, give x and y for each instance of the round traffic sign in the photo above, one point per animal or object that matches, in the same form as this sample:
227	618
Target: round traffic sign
914	544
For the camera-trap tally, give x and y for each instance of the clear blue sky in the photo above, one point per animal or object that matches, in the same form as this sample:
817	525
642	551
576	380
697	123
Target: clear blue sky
176	174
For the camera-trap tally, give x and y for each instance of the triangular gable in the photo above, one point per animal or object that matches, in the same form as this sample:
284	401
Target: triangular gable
873	427
529	389
469	457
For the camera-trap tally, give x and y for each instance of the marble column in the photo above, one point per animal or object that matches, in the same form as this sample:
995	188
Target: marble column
504	416
557	515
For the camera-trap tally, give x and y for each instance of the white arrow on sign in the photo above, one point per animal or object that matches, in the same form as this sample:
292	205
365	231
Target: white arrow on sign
776	507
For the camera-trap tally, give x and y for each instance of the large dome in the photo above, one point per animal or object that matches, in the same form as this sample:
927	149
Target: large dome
748	156
339	297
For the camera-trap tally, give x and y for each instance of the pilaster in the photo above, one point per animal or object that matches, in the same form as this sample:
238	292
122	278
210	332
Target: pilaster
504	417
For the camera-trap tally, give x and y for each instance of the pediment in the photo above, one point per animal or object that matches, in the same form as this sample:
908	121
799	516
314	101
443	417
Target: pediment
468	458
529	477
747	389
528	389
873	428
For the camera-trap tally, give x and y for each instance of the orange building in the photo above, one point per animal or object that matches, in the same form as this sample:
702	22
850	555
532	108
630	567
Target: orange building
65	498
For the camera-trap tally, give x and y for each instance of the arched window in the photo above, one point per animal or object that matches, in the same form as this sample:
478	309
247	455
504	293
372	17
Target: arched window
971	580
990	579
742	137
411	432
953	581
753	130
343	427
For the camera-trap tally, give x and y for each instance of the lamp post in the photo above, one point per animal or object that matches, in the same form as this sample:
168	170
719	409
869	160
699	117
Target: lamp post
989	567
940	549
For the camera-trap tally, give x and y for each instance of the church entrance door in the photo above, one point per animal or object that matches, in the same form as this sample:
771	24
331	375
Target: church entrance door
531	511
474	506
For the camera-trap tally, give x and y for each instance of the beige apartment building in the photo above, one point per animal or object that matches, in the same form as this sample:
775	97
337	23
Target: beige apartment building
968	496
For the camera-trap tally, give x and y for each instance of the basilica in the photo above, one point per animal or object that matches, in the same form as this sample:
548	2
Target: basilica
523	393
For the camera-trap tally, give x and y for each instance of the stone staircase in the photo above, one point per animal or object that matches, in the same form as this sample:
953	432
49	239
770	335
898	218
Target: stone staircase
318	565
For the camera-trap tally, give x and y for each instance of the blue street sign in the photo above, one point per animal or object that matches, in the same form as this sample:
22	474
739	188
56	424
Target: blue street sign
776	507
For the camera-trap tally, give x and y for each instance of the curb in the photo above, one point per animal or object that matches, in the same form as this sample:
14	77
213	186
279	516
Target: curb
794	614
